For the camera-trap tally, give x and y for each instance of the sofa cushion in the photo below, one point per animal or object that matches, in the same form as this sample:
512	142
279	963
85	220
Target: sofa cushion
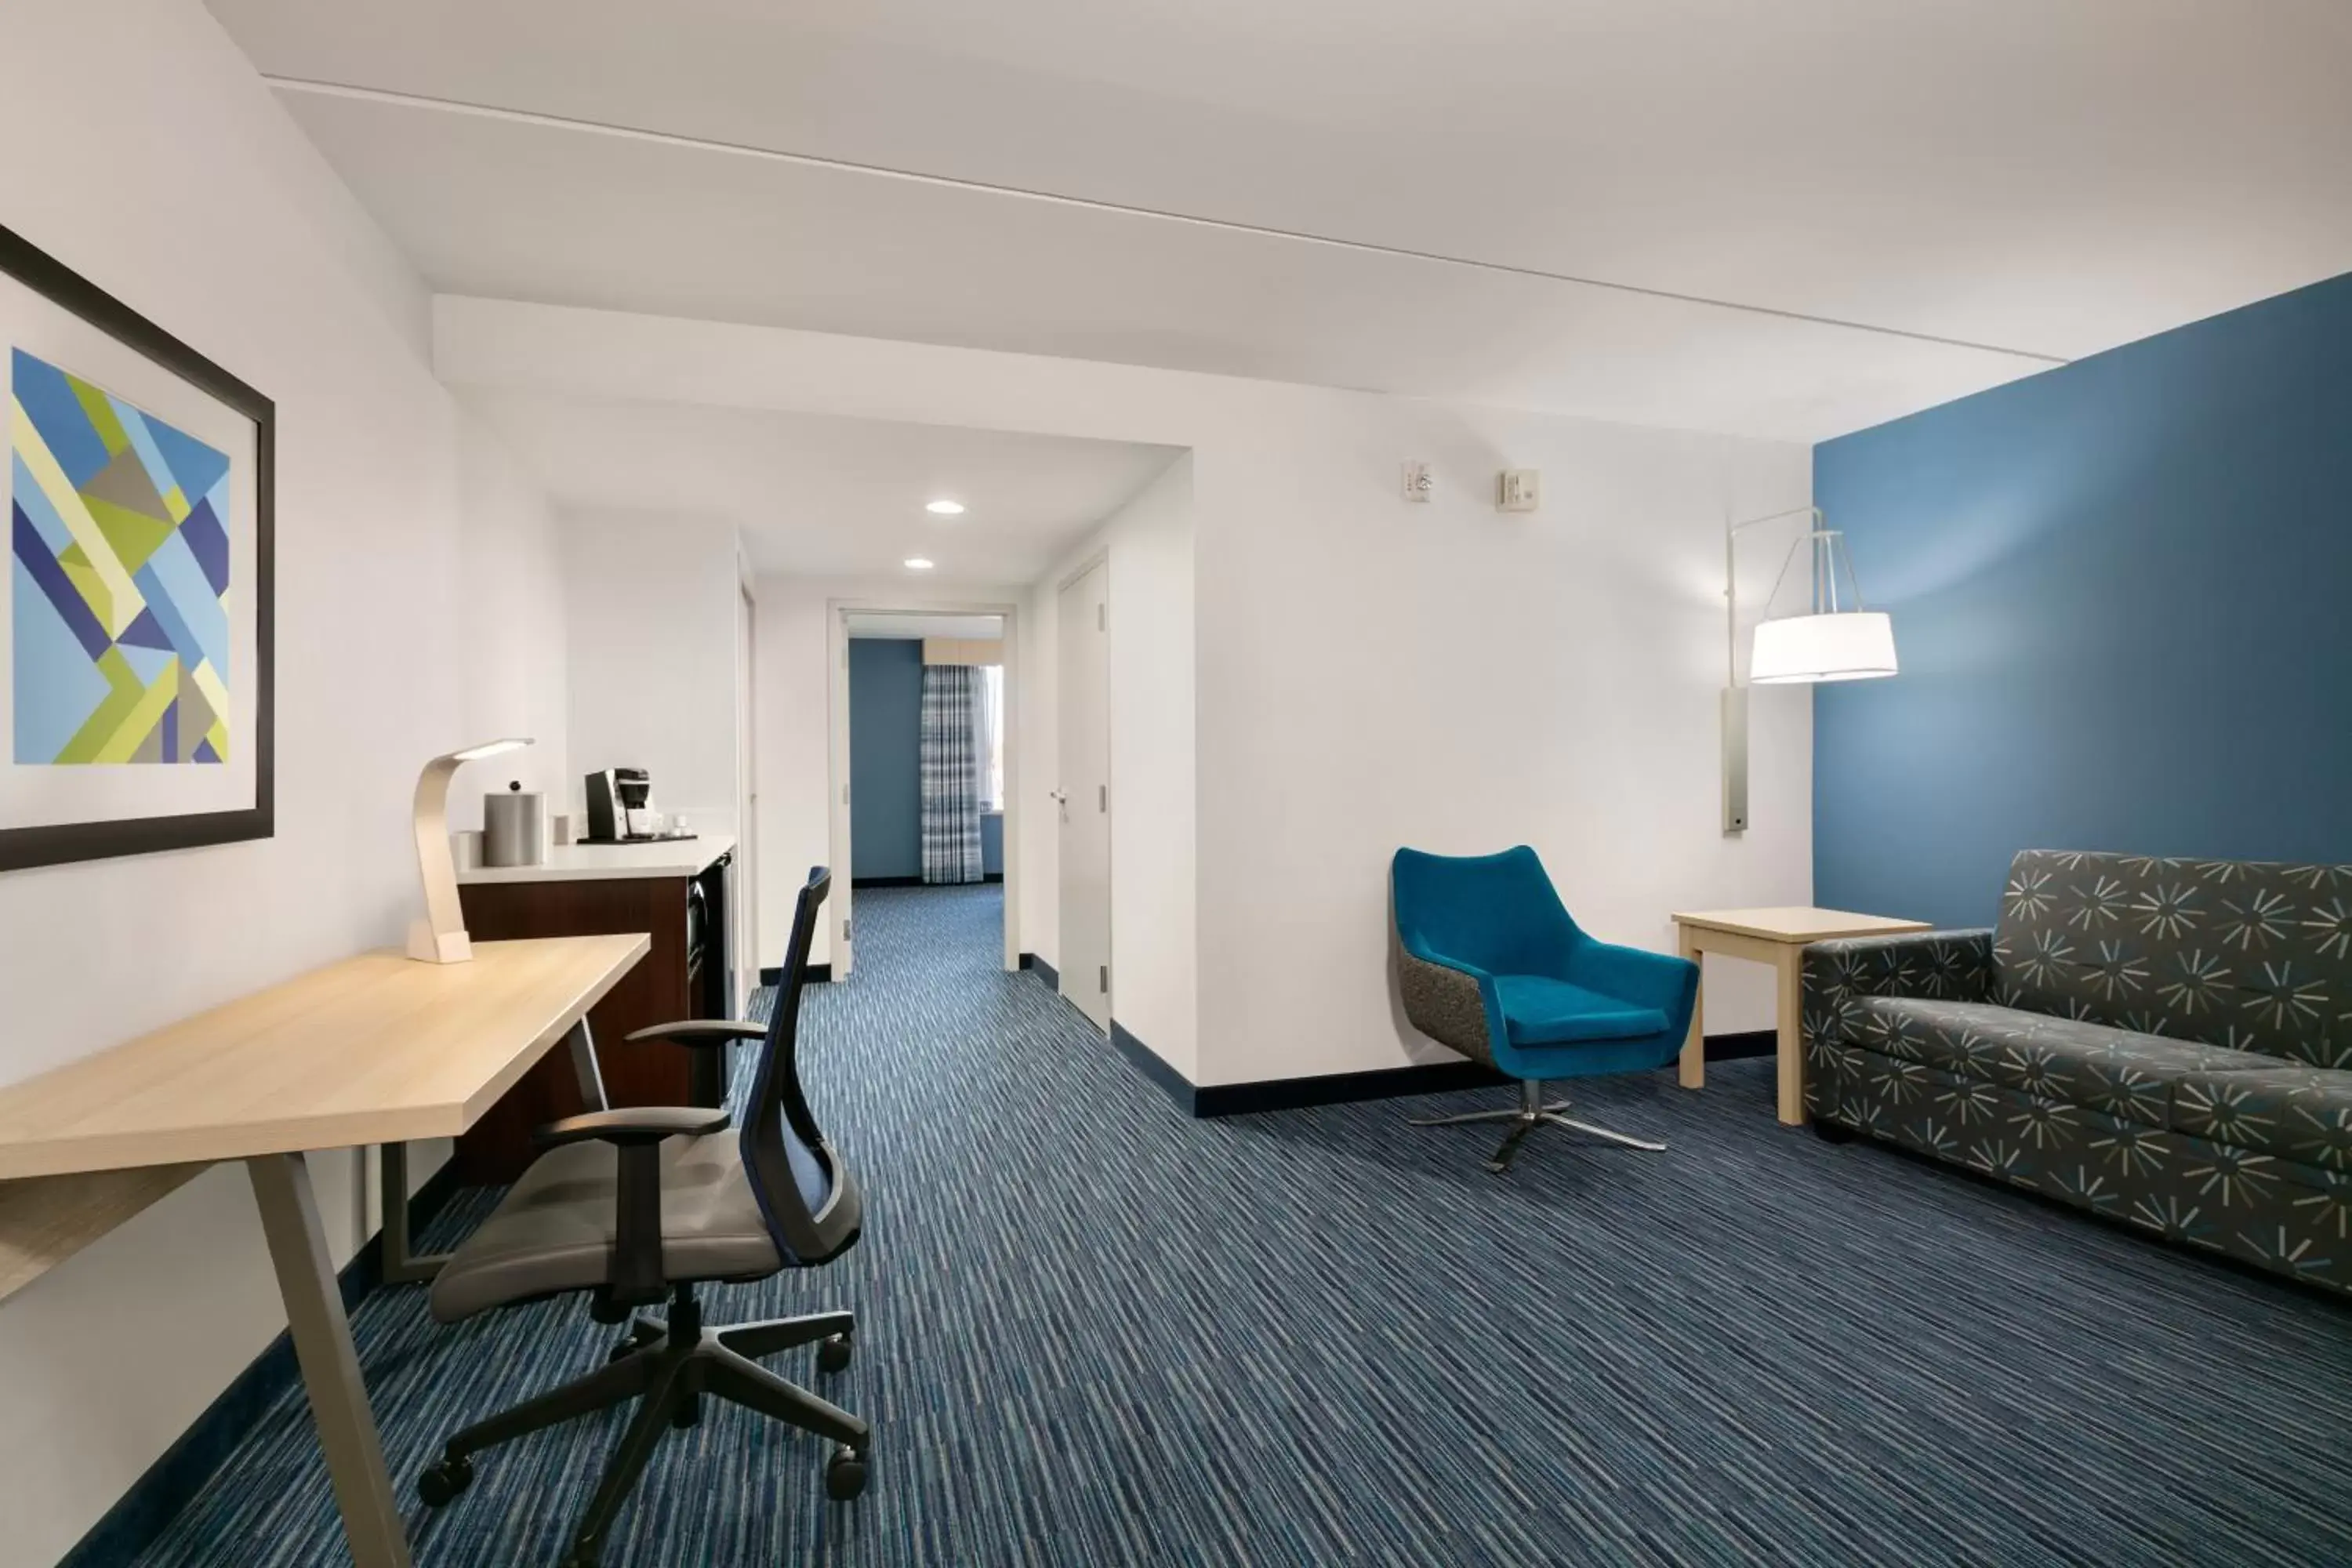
2304	1114
2117	1071
2255	955
1541	1011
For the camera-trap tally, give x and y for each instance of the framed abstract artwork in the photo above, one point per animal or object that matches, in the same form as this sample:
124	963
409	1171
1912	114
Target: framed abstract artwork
136	658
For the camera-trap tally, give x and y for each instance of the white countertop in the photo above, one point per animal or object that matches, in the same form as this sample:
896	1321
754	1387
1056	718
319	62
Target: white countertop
611	862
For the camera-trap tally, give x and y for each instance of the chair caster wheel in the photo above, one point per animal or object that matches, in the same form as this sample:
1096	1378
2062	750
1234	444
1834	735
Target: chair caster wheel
581	1557
439	1486
844	1475
1831	1132
832	1354
687	1414
621	1351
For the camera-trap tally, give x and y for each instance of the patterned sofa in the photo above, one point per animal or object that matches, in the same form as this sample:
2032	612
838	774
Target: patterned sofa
2167	1043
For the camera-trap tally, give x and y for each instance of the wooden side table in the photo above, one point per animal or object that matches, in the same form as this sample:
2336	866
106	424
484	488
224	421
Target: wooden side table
1776	937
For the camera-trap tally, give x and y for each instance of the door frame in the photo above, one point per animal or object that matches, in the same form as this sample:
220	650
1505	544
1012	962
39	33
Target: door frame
745	893
1099	557
837	613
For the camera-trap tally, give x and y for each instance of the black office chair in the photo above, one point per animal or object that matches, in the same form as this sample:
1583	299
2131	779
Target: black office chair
639	1204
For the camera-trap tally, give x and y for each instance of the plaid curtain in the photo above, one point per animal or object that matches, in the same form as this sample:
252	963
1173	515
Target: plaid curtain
951	775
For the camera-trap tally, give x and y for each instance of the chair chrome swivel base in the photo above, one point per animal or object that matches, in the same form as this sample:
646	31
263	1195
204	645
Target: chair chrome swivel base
669	1367
1530	1114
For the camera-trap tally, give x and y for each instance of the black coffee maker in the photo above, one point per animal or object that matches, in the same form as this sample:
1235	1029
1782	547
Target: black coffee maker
616	806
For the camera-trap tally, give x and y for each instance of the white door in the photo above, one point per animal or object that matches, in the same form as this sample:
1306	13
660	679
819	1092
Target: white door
1084	794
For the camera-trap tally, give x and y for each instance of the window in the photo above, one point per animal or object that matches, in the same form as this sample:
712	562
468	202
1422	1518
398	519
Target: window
988	734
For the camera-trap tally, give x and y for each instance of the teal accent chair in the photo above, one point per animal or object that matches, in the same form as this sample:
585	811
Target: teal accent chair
1491	964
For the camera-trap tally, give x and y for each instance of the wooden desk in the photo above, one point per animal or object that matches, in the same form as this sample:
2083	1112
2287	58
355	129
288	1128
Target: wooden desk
376	1049
1776	937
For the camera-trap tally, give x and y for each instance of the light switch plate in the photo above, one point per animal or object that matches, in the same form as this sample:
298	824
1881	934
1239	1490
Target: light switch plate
1518	489
1419	482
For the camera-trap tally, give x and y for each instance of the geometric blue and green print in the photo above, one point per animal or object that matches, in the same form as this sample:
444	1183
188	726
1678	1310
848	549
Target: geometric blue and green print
119	567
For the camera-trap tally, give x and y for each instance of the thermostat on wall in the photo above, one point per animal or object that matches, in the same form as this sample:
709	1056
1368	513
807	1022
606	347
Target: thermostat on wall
1518	489
1418	482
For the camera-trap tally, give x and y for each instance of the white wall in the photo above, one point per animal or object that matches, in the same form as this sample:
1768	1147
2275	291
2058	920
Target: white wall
653	606
1155	979
794	730
516	653
192	198
1376	673
1369	672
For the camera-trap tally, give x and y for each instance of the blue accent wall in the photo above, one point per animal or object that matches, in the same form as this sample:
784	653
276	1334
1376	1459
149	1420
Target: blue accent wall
885	764
2122	593
886	757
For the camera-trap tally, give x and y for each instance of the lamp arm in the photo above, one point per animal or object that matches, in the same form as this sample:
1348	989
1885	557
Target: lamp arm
443	918
440	937
1731	580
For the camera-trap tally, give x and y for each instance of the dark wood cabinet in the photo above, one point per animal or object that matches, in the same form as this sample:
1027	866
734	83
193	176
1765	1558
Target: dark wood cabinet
681	977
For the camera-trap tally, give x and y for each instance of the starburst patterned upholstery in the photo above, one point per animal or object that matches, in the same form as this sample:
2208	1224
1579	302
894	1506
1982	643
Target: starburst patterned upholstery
2162	1041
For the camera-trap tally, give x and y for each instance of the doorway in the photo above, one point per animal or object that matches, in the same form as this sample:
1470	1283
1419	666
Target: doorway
1082	798
923	761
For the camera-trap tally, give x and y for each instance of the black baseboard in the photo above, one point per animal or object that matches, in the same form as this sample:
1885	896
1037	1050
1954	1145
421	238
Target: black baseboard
1342	1087
991	876
1205	1101
1044	971
1155	1068
139	1517
1744	1043
818	974
886	881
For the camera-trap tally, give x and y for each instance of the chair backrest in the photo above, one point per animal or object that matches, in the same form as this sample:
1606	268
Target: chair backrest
807	1195
2251	954
1496	912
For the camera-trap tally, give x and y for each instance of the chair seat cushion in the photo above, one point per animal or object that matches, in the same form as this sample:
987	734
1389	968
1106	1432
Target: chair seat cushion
555	1229
2297	1113
1541	1011
2118	1071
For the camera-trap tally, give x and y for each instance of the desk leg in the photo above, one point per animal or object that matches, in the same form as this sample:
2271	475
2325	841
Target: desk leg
1789	1047
586	1068
330	1366
401	1265
1694	1061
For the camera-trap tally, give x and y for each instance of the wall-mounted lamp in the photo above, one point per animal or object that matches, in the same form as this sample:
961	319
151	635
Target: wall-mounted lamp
440	936
1832	639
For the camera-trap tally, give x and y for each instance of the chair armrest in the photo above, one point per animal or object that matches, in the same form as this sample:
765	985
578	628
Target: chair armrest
1636	974
703	1032
632	1125
1928	965
636	1132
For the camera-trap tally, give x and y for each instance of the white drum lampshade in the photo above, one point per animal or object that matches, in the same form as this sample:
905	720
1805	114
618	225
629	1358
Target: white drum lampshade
1846	645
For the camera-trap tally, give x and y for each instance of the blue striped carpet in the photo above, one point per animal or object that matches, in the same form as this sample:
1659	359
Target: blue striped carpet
1097	1333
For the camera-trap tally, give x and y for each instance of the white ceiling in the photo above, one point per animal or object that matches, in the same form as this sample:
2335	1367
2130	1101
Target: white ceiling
904	628
2043	178
819	496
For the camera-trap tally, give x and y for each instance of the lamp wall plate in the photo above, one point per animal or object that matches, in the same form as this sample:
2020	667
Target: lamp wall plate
1734	759
1518	489
1419	482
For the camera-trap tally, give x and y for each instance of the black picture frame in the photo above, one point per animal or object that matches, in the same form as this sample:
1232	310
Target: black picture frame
62	843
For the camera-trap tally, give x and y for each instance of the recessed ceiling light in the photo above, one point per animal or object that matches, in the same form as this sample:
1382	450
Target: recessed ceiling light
945	508
918	563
